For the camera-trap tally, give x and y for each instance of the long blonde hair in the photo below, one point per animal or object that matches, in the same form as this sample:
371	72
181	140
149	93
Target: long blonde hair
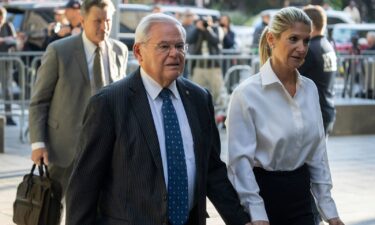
282	21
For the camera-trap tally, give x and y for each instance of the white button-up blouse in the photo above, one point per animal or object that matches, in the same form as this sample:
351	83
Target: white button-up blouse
268	128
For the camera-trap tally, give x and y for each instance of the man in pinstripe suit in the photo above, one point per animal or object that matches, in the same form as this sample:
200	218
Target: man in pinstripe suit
122	163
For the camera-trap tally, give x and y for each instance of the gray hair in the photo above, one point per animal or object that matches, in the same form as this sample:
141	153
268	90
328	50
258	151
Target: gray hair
143	28
282	21
88	4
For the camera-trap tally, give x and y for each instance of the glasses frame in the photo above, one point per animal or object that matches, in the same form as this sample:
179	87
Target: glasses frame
162	47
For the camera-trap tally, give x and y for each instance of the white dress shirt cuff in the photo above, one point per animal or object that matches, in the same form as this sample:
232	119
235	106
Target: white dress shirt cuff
36	145
328	210
258	212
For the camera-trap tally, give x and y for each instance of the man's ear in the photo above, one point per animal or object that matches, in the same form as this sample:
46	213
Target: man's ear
82	22
137	51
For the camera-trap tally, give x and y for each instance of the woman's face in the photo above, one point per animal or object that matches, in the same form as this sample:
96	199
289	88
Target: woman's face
224	21
290	49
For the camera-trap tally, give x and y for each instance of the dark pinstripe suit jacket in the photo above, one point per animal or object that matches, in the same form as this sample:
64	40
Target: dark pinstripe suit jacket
119	166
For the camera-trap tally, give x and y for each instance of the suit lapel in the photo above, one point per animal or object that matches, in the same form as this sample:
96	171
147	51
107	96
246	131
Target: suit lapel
114	64
143	114
80	58
192	115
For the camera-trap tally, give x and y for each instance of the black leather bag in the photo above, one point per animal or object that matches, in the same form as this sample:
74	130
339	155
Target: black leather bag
38	199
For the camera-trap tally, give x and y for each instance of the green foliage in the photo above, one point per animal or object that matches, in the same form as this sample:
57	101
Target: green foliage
335	4
238	17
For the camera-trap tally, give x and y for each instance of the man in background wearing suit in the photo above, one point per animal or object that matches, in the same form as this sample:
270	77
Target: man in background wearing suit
72	70
149	151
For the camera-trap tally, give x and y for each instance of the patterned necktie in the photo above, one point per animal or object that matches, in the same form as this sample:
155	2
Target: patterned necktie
97	72
177	175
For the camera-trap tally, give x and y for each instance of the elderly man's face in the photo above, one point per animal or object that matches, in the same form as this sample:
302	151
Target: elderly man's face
163	55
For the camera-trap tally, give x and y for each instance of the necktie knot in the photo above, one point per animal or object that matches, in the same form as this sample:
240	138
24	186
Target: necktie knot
165	94
97	50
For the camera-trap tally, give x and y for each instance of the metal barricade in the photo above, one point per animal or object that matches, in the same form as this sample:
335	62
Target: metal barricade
356	76
14	105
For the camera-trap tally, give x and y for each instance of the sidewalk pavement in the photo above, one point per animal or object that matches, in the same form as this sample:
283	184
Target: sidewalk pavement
352	162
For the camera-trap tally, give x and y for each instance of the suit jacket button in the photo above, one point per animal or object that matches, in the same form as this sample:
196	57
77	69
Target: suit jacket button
165	197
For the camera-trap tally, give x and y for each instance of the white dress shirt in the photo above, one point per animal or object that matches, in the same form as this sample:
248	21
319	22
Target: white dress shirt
268	128
89	48
153	89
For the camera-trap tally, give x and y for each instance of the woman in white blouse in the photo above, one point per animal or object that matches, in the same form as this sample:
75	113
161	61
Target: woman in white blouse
277	148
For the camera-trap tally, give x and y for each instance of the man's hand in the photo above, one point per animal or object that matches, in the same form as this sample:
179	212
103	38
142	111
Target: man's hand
38	154
65	30
335	221
260	222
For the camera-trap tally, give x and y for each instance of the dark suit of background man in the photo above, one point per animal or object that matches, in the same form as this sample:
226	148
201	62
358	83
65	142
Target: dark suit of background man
69	75
124	166
321	65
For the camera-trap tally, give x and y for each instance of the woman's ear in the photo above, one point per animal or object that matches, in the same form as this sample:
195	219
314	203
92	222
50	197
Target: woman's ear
270	39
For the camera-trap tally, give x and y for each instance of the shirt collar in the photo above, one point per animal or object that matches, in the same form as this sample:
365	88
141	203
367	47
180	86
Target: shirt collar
153	88
89	46
268	76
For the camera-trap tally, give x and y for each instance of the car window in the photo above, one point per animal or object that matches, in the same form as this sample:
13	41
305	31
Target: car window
334	20
16	20
130	18
342	35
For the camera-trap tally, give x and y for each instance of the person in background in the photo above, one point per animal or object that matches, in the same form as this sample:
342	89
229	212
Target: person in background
207	39
370	37
353	11
156	9
8	43
265	16
59	28
321	65
188	22
326	6
275	132
188	19
229	47
149	148
72	70
73	15
229	39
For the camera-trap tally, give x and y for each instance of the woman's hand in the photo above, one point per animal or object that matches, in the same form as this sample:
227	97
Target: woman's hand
335	221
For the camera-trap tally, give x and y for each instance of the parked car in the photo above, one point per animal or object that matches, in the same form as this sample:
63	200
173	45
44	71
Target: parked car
130	16
179	10
343	36
244	37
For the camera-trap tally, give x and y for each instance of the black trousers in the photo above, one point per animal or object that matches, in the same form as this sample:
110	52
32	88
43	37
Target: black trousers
286	195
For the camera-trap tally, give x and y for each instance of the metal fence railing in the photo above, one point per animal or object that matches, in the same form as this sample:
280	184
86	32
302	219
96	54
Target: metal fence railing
355	77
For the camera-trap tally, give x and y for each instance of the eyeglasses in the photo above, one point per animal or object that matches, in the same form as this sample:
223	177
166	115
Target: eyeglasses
166	47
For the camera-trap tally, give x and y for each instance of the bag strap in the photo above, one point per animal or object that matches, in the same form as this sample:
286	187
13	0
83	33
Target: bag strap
43	169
